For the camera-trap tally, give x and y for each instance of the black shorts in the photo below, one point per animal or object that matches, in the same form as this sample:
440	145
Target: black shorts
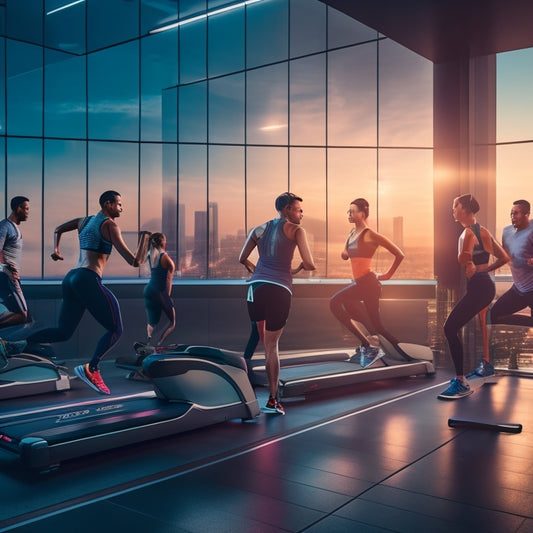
271	303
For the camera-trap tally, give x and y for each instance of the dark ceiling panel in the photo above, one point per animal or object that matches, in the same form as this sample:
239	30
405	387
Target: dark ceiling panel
445	30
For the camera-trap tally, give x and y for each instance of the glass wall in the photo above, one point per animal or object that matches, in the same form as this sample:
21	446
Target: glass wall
514	133
201	126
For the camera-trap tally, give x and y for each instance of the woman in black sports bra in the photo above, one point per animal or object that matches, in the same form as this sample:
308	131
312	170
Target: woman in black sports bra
360	300
476	246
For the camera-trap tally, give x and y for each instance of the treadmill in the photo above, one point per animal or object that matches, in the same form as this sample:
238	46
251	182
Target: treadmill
192	389
31	372
307	372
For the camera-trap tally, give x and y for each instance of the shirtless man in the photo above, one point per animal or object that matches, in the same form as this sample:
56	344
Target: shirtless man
11	295
269	294
83	289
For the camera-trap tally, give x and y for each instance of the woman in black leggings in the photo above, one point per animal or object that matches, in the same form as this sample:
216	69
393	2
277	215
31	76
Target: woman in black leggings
476	246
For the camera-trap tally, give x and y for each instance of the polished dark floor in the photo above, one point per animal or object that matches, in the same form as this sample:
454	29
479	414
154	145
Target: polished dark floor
377	458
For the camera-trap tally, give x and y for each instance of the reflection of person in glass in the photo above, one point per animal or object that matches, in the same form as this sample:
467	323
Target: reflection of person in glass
476	246
82	287
517	241
360	300
269	294
13	308
157	292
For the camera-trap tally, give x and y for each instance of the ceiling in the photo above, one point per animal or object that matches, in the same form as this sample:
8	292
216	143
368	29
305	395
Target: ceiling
447	30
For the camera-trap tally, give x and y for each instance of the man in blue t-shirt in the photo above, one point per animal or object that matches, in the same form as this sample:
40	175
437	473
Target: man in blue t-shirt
13	308
517	239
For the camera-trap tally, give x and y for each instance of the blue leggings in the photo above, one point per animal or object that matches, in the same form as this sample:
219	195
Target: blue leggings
82	289
480	291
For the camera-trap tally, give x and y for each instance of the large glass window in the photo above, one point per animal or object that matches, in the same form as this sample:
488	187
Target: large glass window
352	96
65	198
202	126
65	99
24	178
308	101
159	60
405	97
267	120
24	89
192	218
113	86
226	42
226	109
225	210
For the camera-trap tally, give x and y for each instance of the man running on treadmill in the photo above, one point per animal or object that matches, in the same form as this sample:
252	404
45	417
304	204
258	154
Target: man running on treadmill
269	294
83	289
517	240
11	296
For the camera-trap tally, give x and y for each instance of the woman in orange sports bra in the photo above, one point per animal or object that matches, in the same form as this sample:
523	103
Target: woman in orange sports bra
360	300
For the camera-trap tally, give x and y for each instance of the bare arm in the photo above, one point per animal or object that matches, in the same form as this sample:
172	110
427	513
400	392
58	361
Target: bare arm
167	263
112	233
70	225
305	252
249	245
381	240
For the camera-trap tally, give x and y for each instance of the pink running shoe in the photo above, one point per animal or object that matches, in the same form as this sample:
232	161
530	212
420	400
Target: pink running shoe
93	379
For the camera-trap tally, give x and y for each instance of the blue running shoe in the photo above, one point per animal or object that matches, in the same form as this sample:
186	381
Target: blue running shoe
369	355
456	390
483	370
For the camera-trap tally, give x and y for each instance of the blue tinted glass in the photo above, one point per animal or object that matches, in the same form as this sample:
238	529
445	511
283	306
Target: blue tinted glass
226	213
151	186
192	216
115	166
64	199
226	109
65	110
308	100
267	32
344	30
352	96
193	50
192	113
114	93
110	22
3	205
157	14
267	120
24	89
189	8
65	28
308	27
25	20
159	70
24	172
226	42
170	114
2	87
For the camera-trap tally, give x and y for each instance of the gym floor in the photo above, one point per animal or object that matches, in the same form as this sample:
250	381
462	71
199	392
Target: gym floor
375	457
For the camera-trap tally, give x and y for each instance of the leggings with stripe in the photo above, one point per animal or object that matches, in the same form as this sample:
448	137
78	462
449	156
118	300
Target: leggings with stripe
83	290
480	291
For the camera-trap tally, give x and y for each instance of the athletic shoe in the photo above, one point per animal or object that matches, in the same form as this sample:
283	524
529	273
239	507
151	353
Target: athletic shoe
369	355
93	379
273	406
483	370
143	349
456	390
